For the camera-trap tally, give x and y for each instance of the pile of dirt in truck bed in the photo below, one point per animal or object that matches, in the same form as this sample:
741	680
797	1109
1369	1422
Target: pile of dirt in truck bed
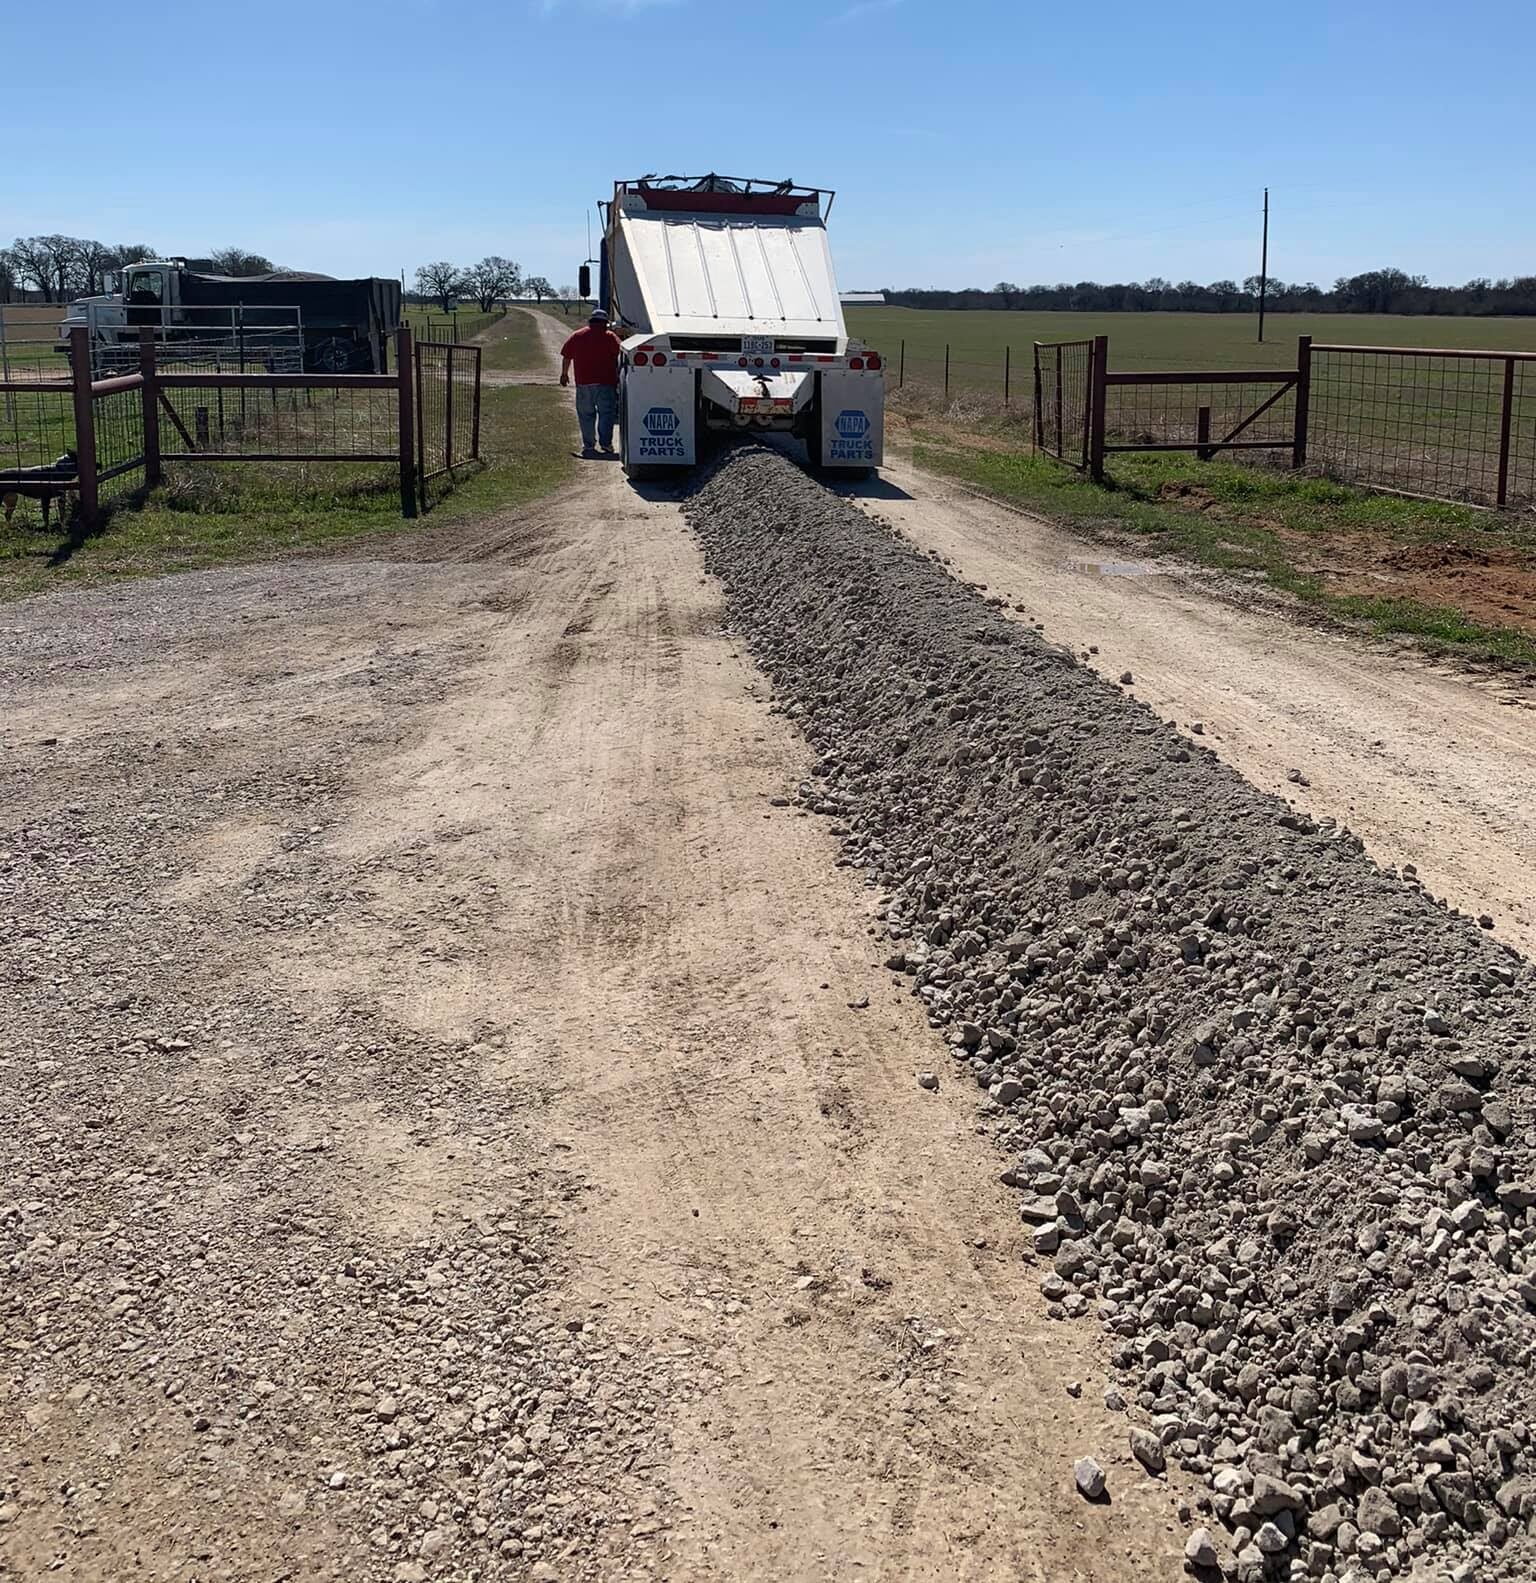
1268	1107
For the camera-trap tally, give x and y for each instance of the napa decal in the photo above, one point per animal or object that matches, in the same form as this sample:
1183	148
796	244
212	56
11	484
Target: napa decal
853	442
660	440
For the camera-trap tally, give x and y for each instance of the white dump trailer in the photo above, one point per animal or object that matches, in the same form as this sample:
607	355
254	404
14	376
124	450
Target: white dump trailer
723	293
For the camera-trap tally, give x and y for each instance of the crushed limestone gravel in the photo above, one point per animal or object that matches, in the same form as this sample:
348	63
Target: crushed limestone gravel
1268	1107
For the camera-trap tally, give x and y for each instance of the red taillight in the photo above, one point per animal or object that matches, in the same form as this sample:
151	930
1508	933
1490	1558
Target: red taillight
872	361
757	362
856	362
658	358
742	361
773	363
641	359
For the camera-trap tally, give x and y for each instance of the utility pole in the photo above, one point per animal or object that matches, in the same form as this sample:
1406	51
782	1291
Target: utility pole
1264	267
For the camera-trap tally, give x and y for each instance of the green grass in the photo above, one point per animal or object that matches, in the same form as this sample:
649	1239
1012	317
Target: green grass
513	344
1150	340
1427	426
1255	522
213	514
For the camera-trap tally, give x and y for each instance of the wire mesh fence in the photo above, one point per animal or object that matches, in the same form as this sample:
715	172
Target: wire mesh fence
75	446
1448	424
219	417
1062	399
1208	412
117	425
447	413
37	436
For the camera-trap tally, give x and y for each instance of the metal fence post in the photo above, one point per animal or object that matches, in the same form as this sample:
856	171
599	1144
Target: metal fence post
1203	434
946	373
1098	394
1506	416
902	380
1303	400
85	425
1039	403
405	393
149	398
1007	372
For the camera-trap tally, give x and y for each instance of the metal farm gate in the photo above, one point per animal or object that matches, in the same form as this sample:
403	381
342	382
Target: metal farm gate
447	413
1064	385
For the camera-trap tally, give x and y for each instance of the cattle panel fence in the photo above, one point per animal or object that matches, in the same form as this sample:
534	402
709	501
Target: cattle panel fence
72	445
1063	387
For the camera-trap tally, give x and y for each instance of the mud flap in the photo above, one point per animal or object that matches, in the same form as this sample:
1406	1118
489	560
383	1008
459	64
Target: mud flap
659	417
852	419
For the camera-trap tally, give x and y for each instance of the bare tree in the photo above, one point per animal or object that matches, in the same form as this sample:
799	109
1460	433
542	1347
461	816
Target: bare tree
34	265
92	261
493	279
9	283
539	286
63	254
441	280
124	253
238	261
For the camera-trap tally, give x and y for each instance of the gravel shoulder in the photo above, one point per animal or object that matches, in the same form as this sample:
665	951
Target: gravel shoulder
455	1123
1428	764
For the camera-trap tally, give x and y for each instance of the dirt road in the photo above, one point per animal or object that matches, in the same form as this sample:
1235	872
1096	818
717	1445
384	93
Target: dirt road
455	1122
1426	764
552	336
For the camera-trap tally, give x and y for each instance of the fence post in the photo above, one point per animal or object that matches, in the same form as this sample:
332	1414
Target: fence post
1007	372
1039	398
404	401
85	425
149	396
1506	416
946	373
901	382
1098	390
1203	434
1303	400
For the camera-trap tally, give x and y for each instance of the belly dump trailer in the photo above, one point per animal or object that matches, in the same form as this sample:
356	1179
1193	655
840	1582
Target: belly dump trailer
723	293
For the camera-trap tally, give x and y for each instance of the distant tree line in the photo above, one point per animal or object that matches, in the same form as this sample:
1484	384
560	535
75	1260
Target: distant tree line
492	280
1374	291
59	268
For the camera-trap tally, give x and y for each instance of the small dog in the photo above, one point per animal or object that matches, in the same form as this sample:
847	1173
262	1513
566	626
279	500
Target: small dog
42	484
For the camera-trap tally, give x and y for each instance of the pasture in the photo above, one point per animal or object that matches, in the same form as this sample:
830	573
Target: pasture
1148	340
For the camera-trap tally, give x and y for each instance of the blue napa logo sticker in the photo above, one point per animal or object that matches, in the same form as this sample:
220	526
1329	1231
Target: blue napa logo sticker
853	442
660	440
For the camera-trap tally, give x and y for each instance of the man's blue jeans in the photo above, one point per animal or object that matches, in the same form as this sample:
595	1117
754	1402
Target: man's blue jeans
596	406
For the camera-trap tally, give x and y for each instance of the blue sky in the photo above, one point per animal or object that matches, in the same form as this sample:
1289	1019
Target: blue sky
969	141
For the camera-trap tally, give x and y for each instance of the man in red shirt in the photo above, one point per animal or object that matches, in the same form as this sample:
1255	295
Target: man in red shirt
594	354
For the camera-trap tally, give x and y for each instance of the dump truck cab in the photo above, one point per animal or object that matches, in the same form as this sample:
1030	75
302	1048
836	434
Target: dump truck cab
724	295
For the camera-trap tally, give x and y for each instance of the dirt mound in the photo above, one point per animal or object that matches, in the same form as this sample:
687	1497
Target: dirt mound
1435	557
1269	1109
1181	493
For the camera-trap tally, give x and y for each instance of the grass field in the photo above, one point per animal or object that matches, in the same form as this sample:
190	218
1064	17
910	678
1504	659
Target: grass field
1450	576
1149	340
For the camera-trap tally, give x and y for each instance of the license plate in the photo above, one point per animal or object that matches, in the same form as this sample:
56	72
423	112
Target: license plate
757	345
